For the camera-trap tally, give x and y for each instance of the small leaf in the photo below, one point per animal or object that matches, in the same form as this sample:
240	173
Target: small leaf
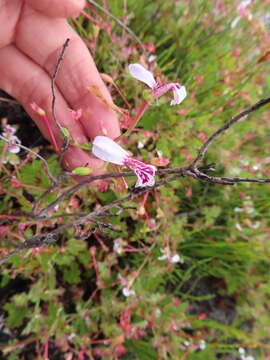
66	133
82	171
87	147
265	57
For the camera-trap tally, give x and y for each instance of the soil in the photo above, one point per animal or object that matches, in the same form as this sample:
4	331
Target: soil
27	131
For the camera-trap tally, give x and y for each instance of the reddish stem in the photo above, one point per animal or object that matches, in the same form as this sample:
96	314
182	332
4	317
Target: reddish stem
138	116
89	17
46	348
51	134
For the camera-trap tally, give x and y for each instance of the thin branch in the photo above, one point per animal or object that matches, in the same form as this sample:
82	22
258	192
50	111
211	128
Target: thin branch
45	239
220	131
10	101
197	174
105	225
88	180
48	191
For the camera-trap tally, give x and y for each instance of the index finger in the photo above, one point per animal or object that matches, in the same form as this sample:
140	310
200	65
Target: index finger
78	71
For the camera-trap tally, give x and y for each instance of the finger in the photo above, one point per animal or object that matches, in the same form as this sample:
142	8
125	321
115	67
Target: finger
78	71
58	8
27	82
9	15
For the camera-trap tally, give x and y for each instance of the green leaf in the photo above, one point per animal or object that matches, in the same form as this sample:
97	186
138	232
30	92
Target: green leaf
72	273
16	314
66	133
141	349
82	171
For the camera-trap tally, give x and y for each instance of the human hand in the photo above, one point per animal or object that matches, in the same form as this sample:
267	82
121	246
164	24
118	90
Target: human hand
31	39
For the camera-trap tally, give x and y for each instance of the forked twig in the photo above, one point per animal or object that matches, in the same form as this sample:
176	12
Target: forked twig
226	126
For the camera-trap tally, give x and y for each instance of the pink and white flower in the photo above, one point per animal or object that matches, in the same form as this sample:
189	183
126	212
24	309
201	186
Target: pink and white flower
14	141
108	150
126	284
166	255
140	73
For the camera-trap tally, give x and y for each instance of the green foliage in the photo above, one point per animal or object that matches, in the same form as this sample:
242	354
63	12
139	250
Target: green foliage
75	293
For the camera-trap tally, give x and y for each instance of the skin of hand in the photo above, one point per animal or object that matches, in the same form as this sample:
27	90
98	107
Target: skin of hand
31	39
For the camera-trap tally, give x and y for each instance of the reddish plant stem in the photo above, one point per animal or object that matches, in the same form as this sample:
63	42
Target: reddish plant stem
137	118
89	17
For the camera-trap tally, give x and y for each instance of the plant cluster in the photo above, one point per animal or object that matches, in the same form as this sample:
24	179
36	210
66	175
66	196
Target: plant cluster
174	270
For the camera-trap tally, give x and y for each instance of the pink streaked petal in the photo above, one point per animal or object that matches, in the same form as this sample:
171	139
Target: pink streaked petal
136	164
144	179
160	90
140	73
144	172
179	92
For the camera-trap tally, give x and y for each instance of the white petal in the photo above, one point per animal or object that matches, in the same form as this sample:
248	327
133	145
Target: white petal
175	259
245	3
163	257
140	73
179	95
235	22
141	182
128	292
202	344
108	150
14	149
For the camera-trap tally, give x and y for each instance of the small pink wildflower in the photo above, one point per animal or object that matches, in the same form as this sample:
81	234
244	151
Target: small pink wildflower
140	73
126	284
14	149
14	141
202	316
9	130
119	245
236	52
199	79
108	150
175	258
22	226
243	6
15	183
120	350
40	249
